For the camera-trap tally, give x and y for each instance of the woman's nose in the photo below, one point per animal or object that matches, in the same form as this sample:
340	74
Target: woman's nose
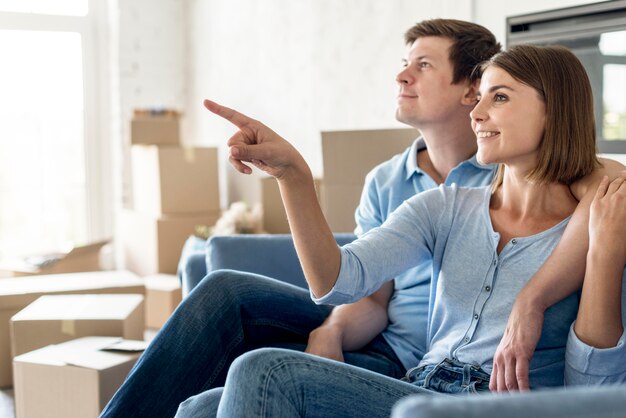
478	113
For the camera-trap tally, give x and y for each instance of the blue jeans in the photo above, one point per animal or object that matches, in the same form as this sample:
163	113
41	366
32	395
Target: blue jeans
280	383
228	314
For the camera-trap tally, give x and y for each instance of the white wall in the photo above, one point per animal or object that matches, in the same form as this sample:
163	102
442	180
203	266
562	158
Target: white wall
152	52
300	66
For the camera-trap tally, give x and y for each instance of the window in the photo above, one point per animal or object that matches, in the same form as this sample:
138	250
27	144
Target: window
596	33
56	7
51	188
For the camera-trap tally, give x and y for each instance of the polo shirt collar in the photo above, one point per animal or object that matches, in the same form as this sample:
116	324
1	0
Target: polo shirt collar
410	165
418	145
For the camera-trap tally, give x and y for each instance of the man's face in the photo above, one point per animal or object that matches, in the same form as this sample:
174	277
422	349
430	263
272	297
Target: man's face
427	96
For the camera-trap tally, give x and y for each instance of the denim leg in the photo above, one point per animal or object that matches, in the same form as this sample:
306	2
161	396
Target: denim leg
227	314
201	406
377	356
281	383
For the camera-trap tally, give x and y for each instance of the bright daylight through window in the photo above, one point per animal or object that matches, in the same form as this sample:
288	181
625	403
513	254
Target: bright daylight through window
613	47
43	194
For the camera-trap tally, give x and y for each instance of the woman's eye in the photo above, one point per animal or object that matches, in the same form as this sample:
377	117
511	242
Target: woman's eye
500	98
424	64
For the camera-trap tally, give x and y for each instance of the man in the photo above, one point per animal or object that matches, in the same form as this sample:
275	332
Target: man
230	313
436	95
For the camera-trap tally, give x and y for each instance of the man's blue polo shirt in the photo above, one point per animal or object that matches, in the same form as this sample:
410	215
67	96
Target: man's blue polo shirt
387	186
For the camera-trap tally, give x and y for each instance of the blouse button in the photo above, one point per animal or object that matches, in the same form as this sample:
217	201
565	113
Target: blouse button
513	241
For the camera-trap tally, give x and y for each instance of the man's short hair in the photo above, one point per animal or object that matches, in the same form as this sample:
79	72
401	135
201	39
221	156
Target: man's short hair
471	43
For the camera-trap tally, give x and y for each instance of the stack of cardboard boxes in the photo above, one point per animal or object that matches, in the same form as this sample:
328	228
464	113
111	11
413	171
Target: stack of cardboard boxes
174	190
52	322
42	320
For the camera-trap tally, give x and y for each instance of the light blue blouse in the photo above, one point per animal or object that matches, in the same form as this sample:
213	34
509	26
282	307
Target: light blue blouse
387	186
473	288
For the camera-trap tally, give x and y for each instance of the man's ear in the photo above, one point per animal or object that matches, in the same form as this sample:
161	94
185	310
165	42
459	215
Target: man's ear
470	93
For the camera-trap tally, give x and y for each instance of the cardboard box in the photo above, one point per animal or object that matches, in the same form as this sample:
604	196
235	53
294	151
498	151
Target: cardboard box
75	379
17	293
349	155
146	129
174	180
339	202
274	215
153	245
59	318
81	258
163	294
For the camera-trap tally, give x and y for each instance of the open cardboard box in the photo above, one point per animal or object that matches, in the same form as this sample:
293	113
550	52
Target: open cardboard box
81	258
53	319
73	379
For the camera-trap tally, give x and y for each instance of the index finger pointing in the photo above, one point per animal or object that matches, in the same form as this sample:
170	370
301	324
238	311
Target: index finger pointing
231	115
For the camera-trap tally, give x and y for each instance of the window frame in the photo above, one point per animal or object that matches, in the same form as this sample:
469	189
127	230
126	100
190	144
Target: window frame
554	25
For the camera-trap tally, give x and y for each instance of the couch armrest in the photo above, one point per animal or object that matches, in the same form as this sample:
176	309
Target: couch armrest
589	401
192	264
270	255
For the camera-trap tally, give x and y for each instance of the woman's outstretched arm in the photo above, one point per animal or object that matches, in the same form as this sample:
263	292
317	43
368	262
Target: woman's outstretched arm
258	145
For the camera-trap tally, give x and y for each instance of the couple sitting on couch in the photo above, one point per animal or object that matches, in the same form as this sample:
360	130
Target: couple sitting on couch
445	271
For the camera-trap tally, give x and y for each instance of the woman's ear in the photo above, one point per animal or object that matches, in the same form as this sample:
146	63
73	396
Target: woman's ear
471	92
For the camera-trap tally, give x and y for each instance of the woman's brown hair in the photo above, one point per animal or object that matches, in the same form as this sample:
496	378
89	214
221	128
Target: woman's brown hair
568	149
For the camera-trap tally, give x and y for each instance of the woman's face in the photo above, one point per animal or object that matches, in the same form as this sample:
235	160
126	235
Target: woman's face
509	121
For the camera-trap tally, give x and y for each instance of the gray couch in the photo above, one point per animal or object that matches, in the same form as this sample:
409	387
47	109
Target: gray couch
578	402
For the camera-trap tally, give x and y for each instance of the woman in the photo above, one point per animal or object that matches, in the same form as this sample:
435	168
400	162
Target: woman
534	117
